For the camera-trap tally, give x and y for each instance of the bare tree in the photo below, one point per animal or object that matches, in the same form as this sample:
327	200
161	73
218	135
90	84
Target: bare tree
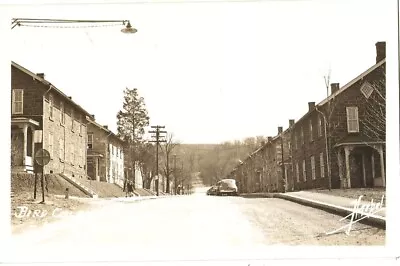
146	159
167	150
374	122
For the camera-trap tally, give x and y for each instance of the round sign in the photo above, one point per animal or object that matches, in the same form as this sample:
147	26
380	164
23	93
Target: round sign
42	157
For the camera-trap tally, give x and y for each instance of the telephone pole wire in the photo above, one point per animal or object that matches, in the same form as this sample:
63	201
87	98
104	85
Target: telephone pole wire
157	140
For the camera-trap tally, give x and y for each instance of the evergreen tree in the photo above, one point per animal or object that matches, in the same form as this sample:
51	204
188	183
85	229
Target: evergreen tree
132	120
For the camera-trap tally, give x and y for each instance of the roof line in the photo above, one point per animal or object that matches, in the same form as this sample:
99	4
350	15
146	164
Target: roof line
353	81
46	82
345	87
105	129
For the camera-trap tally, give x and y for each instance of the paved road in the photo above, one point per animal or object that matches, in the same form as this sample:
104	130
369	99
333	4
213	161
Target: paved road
194	226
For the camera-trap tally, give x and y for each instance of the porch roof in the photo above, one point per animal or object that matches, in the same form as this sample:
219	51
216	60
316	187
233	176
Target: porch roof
24	120
357	140
94	154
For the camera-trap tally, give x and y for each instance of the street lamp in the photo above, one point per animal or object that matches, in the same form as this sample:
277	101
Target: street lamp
39	23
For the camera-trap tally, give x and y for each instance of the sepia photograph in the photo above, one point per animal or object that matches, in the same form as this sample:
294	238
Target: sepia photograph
199	132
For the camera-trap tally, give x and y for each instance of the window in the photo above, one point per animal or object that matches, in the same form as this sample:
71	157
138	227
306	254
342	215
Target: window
322	165
366	89
295	140
90	140
352	119
17	101
61	149
72	153
80	125
72	119
82	129
51	106
297	172
319	126
311	130
313	167
62	113
302	135
51	139
304	171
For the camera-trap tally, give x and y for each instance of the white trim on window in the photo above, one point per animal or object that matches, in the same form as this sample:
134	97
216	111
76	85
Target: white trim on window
322	164
313	167
319	126
72	119
304	171
61	149
62	113
311	129
17	101
302	135
90	140
51	144
352	119
51	107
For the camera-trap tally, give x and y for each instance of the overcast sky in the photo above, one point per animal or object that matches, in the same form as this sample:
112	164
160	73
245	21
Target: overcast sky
209	72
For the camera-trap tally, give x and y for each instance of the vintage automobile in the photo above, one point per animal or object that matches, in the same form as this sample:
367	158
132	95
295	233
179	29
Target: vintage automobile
212	191
227	187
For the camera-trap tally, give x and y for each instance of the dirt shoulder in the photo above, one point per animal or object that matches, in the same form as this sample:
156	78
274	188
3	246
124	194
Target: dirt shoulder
27	212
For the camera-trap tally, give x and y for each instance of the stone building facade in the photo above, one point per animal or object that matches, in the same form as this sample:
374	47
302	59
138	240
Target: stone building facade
42	116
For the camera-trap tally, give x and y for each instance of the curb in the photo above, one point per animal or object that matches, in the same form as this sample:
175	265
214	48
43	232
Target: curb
257	195
373	220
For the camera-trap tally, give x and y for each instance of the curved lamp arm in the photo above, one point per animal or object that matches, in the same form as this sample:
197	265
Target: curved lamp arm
23	21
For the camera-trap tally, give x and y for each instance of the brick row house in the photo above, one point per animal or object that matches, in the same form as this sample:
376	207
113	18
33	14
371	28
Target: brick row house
105	154
338	143
42	116
41	111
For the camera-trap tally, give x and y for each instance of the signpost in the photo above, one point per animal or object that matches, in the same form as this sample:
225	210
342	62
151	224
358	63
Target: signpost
42	158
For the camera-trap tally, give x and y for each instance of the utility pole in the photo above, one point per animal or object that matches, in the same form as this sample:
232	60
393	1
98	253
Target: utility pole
157	140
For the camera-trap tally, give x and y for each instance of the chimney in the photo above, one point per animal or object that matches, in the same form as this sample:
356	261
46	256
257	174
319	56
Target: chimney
40	75
280	130
311	106
291	122
92	116
105	126
269	139
380	51
334	87
69	97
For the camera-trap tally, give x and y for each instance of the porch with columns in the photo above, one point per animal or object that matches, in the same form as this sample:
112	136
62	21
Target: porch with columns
361	164
22	144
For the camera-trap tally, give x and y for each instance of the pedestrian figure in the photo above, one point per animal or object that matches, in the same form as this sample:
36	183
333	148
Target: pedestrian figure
130	189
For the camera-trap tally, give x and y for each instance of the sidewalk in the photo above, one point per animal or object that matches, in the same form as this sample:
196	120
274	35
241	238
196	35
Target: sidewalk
334	204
